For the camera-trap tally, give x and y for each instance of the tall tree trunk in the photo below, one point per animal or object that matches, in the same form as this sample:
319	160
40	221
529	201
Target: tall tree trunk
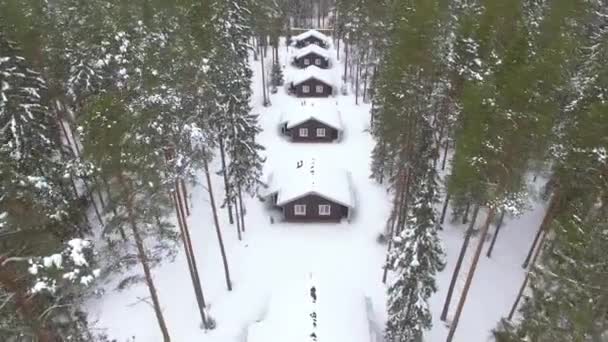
217	225
190	258
182	183
543	226
465	217
463	252
143	259
445	153
228	202
526	279
469	280
345	60
237	216
338	49
357	84
92	199
241	209
445	207
500	220
266	102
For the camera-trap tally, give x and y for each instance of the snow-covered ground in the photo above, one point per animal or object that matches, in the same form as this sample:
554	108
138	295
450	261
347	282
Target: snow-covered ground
274	255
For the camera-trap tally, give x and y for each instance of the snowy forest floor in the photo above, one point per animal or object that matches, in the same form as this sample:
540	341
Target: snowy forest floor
273	255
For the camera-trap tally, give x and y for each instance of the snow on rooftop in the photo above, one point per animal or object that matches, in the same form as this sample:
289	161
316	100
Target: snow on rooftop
311	33
312	48
291	310
322	110
313	71
297	178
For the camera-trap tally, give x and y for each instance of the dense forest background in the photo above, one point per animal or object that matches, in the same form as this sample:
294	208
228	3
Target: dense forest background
107	108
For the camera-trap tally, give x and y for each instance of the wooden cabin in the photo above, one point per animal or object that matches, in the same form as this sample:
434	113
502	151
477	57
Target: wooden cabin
311	37
312	121
304	192
315	303
311	55
312	82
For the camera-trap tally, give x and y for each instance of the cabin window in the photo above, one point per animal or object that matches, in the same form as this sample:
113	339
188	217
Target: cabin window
305	89
319	89
321	132
299	209
317	61
324	209
306	61
303	132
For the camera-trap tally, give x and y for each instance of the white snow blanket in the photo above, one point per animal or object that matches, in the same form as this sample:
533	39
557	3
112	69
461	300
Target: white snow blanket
313	71
312	48
311	33
291	309
293	179
322	110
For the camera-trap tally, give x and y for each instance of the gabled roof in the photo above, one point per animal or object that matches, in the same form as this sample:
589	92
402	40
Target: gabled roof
324	111
313	71
312	49
295	179
311	33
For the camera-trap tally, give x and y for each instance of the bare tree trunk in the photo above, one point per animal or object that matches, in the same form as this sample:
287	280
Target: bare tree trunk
526	279
182	183
357	84
192	268
365	77
338	49
241	209
217	225
465	217
463	252
440	138
345	59
491	248
238	221
256	48
469	280
445	207
266	102
143	258
543	226
226	184
92	199
445	153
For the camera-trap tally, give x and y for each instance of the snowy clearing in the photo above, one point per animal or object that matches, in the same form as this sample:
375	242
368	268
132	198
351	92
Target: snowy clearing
271	257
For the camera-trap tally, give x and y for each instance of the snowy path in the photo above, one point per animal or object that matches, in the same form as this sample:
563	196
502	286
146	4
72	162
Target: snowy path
272	255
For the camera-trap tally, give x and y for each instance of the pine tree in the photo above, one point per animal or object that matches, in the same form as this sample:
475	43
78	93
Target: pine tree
277	75
416	258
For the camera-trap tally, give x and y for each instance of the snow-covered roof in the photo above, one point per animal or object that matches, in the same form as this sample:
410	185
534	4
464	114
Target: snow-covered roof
313	71
339	316
322	110
295	179
311	33
312	49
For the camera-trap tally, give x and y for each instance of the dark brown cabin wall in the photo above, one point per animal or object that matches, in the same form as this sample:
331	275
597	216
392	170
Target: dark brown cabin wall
327	89
311	57
312	202
331	133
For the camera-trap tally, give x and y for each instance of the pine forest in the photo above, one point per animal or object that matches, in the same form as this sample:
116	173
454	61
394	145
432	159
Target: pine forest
323	170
